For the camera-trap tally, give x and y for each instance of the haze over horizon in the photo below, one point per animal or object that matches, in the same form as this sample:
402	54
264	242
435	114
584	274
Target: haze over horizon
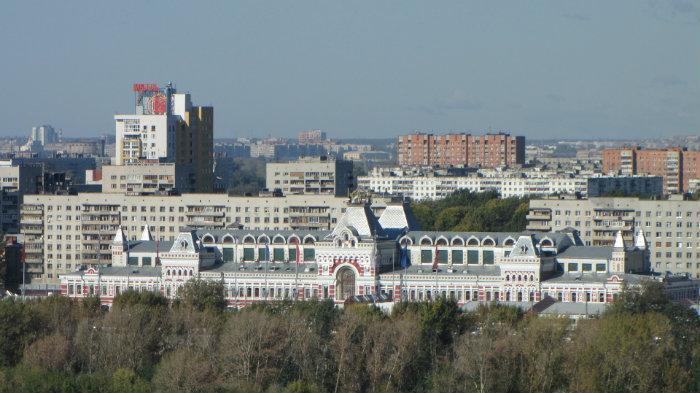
625	69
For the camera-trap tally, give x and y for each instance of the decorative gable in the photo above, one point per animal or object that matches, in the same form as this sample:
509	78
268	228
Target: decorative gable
184	244
524	247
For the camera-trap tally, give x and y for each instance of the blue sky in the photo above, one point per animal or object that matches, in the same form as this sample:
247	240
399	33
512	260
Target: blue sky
361	68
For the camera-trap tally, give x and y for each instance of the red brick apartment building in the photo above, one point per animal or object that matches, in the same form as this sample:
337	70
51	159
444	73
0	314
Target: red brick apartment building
676	165
485	151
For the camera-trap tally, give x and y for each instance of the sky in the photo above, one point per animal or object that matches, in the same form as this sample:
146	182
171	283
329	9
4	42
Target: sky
543	69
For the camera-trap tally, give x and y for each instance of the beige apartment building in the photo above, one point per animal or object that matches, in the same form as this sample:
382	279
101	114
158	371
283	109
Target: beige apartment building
63	232
145	178
320	175
671	226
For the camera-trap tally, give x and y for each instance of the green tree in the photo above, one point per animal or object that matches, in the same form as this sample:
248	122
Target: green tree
203	295
146	298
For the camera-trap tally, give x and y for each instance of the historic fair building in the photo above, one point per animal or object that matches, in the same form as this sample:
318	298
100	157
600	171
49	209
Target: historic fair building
371	259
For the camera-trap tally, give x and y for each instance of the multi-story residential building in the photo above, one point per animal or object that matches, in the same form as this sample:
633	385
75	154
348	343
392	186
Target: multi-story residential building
62	232
15	182
485	151
312	137
168	128
44	134
676	165
671	226
419	185
631	185
150	178
363	257
321	175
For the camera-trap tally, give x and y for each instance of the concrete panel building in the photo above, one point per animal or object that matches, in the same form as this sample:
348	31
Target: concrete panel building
671	226
320	175
65	231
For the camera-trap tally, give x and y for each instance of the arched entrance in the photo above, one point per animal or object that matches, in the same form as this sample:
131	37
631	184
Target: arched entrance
345	283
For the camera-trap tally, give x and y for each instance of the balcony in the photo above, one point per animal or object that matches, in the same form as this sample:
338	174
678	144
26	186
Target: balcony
540	226
27	230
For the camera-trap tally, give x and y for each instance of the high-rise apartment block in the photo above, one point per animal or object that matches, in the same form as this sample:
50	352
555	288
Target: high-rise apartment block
167	128
321	175
676	165
44	135
63	232
671	227
485	151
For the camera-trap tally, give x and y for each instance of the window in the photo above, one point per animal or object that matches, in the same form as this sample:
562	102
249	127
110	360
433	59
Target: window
146	261
488	257
309	254
292	254
600	267
248	254
572	267
278	254
457	257
473	257
586	267
227	254
426	256
134	261
442	256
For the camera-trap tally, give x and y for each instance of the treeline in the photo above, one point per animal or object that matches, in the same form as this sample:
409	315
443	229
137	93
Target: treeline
644	343
467	211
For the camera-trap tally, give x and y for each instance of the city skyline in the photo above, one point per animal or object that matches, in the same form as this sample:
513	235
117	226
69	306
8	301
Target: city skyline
376	70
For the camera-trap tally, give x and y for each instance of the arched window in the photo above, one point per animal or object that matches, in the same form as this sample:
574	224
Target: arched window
278	239
457	241
509	242
520	278
473	242
208	239
248	239
228	239
309	240
546	243
167	272
425	242
441	242
507	277
488	242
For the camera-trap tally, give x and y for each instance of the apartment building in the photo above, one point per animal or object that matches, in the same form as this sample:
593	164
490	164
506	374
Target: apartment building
671	226
15	181
63	232
167	127
485	151
431	186
149	178
318	175
677	166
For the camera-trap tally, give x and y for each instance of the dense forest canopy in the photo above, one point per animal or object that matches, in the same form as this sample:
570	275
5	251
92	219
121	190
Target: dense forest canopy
467	211
145	343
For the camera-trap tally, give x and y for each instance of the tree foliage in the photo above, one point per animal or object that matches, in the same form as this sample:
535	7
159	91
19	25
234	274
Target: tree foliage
468	211
643	343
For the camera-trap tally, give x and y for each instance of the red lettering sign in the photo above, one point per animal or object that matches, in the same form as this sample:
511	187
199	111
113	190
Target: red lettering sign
146	87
